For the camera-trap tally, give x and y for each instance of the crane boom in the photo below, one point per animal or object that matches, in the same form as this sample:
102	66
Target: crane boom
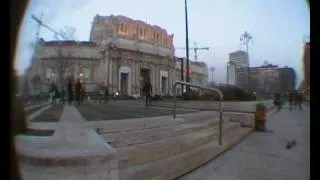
48	27
195	49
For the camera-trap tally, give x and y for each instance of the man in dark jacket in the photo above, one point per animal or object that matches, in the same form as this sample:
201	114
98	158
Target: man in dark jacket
147	89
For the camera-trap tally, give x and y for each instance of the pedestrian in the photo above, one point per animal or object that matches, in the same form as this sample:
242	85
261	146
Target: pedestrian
63	94
70	92
277	101
82	93
78	89
53	92
290	98
147	89
299	100
106	94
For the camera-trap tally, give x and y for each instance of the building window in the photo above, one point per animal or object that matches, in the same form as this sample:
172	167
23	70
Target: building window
121	27
125	28
145	32
154	36
158	37
87	74
140	32
137	31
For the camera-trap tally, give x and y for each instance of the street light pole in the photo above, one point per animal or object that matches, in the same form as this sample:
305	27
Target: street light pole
245	39
212	69
187	43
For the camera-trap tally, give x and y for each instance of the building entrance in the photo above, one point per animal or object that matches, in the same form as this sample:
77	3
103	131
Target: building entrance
144	76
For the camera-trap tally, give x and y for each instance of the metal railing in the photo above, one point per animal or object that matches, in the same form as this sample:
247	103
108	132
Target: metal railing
204	88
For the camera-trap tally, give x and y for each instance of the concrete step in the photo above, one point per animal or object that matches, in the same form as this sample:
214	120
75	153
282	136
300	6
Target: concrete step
123	139
174	166
117	126
142	153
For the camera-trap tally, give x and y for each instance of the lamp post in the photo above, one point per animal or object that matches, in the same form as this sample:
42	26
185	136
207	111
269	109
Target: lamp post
212	69
187	43
245	39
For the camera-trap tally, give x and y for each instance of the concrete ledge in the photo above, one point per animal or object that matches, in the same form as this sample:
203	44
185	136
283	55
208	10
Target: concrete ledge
85	156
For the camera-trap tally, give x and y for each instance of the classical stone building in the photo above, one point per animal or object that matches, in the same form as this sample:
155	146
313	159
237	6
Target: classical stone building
122	53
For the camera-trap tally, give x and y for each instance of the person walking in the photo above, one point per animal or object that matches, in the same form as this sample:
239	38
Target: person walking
277	101
299	100
290	99
147	89
70	92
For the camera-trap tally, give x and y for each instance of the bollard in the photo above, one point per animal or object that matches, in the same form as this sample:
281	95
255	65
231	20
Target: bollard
260	117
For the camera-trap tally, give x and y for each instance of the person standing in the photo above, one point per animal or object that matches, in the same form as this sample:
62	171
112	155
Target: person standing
63	94
106	94
147	89
78	89
70	92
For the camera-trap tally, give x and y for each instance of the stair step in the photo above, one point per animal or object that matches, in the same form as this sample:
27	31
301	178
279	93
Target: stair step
142	153
138	124
174	166
154	134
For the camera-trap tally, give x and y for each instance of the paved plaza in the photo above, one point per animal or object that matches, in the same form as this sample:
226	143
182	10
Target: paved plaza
113	110
264	155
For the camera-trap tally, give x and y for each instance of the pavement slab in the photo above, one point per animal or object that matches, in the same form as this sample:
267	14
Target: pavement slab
118	111
264	156
51	114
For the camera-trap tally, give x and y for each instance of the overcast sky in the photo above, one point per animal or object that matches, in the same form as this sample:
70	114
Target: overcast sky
277	26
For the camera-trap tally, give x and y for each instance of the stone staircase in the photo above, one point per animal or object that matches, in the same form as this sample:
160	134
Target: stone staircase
168	148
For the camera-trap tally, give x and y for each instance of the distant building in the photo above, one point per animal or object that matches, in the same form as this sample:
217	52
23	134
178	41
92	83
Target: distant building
306	65
287	79
263	79
198	72
237	60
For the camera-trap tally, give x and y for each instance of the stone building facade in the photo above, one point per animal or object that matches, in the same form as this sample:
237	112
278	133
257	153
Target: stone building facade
122	54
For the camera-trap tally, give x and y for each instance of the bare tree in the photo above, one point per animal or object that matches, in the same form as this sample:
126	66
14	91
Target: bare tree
63	65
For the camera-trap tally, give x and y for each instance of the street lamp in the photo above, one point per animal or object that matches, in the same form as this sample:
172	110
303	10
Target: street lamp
187	42
212	69
245	39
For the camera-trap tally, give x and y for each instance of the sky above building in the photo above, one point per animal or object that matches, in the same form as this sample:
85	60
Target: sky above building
277	27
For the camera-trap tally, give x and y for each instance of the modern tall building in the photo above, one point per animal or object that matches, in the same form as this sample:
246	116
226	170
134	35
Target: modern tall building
121	53
237	60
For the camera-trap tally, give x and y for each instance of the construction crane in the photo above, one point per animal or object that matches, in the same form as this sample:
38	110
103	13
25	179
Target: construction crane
195	49
40	23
